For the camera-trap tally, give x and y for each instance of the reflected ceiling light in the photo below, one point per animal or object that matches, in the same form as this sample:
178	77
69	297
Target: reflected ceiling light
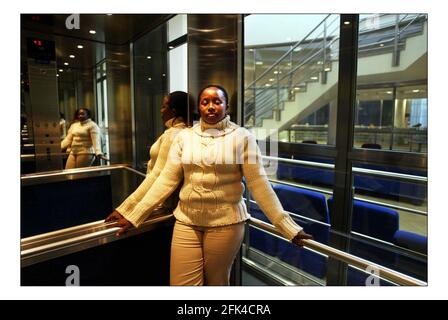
346	22
148	57
72	56
170	47
80	46
60	70
296	88
389	92
277	72
92	31
313	78
251	50
109	14
272	79
416	90
327	69
298	49
320	62
65	63
381	44
259	63
163	75
267	85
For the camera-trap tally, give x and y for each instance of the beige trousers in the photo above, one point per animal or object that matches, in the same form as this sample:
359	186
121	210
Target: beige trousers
204	255
79	160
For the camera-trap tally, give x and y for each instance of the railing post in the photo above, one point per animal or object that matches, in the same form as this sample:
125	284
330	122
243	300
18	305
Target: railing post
277	108
396	53
323	78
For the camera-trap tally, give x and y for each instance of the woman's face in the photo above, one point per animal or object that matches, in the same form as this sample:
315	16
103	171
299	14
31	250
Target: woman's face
212	105
82	115
166	112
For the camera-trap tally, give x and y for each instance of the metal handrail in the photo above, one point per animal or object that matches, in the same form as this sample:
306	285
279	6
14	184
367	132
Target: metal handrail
51	245
47	174
383	272
372	172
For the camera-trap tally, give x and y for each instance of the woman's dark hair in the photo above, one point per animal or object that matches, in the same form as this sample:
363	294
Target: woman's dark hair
214	86
89	114
179	102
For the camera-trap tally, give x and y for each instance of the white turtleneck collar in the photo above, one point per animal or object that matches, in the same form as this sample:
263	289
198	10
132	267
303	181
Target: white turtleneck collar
220	125
85	121
175	122
220	128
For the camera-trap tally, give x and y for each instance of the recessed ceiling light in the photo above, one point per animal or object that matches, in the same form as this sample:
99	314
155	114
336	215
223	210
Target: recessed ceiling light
171	47
259	63
57	75
72	56
346	22
313	78
163	75
267	85
148	57
327	69
296	88
109	14
92	31
389	92
60	70
416	90
80	46
149	79
381	44
272	79
65	63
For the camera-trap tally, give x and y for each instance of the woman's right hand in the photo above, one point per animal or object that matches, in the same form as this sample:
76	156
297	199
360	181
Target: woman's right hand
119	221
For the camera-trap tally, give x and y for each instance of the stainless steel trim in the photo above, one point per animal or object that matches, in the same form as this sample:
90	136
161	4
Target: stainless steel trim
47	174
386	273
390	174
55	244
267	272
306	163
301	186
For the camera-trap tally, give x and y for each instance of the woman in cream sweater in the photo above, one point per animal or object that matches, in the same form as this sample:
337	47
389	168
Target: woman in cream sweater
211	157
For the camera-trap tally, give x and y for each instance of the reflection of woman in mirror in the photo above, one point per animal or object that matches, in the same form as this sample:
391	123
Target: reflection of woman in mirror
174	114
211	158
83	141
62	126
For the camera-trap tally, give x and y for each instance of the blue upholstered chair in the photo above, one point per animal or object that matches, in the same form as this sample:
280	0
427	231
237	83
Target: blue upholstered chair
374	221
259	239
312	205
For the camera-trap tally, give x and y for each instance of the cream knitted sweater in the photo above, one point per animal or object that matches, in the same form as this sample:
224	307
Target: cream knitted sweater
213	159
83	137
158	157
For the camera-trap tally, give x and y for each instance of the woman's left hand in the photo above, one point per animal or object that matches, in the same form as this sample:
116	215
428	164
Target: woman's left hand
298	239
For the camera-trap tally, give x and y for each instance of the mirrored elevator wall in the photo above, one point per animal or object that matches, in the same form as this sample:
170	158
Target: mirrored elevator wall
213	45
119	111
43	101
